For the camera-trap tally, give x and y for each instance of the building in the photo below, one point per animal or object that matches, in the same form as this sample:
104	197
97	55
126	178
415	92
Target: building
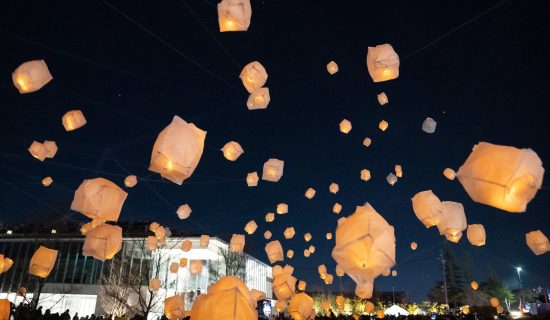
78	282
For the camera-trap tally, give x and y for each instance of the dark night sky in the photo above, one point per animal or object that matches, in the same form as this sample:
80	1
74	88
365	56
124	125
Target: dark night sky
488	81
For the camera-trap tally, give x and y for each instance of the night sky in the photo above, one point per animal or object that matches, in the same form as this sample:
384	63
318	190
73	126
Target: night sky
479	68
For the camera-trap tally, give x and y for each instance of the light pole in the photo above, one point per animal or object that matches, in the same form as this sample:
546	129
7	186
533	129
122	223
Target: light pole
518	269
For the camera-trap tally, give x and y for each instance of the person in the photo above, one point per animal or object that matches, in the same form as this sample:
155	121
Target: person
65	315
76	316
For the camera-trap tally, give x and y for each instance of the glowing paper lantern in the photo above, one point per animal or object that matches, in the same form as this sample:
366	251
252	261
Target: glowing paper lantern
500	309
184	211
336	208
427	208
237	243
367	142
195	267
130	181
251	227
394	273
186	245
6	265
99	199
253	76
174	307
391	178
73	120
494	302
299	307
398	171
274	251
204	241
42	262
452	220
365	175
328	279
270	217
280	306
345	126
383	125
232	150
380	314
414	245
154	284
476	234
332	67
38	150
307	253
382	98
283	282
174	267
311	249
382	63
325	306
234	15
273	170
282	208
51	148
31	76
302	285
340	302
258	99
474	285
365	248
339	271
252	179
449	173
5	309
290	254
429	125
289	233
503	177
267	235
369	307
334	188
310	193
46	182
465	309
537	242
103	242
177	150
307	237
183	262
151	243
328	235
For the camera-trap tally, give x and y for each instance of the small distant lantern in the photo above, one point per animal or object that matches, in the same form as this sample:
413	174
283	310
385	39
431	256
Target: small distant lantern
328	236
307	237
383	125
289	233
151	243
253	76
251	227
73	120
365	175
46	182
237	243
429	125
307	253
232	150
302	285
282	208
273	170
38	150
183	262
334	188
382	98
195	267
51	148
476	235
130	181
252	179
267	235
345	126
258	99
274	251
328	279
174	267
336	208
184	211
414	245
154	284
204	241
474	285
449	173
494	302
394	273
332	67
391	178
31	76
310	193
270	217
311	249
234	15
367	142
398	171
186	245
290	254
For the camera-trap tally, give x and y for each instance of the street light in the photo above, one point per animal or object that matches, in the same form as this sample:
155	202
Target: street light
519	277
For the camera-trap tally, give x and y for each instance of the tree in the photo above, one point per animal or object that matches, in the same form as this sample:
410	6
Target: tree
230	264
496	288
455	282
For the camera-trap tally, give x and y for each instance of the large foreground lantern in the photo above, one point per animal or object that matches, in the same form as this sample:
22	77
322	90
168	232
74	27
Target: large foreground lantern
476	234
273	170
500	176
253	76
5	308
299	307
382	63
274	251
452	220
177	150
537	242
99	198
365	248
174	308
234	15
103	242
31	76
427	207
229	298
284	283
42	262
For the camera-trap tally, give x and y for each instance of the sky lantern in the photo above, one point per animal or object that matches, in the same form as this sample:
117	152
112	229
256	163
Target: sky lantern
449	173
42	262
367	142
383	125
382	98
274	251
537	242
302	285
289	233
332	67
273	170
252	179
232	150
369	307
258	99
237	243
339	271
270	217
474	285
7	263
365	248
427	207
5	309
290	254
398	171
307	253
500	309
340	302
328	236
382	63
73	120
503	177
325	306
334	188
307	237
452	220
345	126
394	273
391	178
414	245
280	306
476	234
38	150
465	309
365	175
429	125
195	267
90	225
310	193
103	242
174	307
494	302
336	208
328	279
204	241
184	211
183	262
253	76
177	150
251	227
151	243
154	284
322	269
300	305
130	181
380	314
186	245
311	249
284	283
234	15
174	267
282	208
31	76
99	198
51	148
47	181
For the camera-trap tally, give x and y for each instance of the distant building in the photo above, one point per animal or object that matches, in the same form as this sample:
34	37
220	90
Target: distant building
76	280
